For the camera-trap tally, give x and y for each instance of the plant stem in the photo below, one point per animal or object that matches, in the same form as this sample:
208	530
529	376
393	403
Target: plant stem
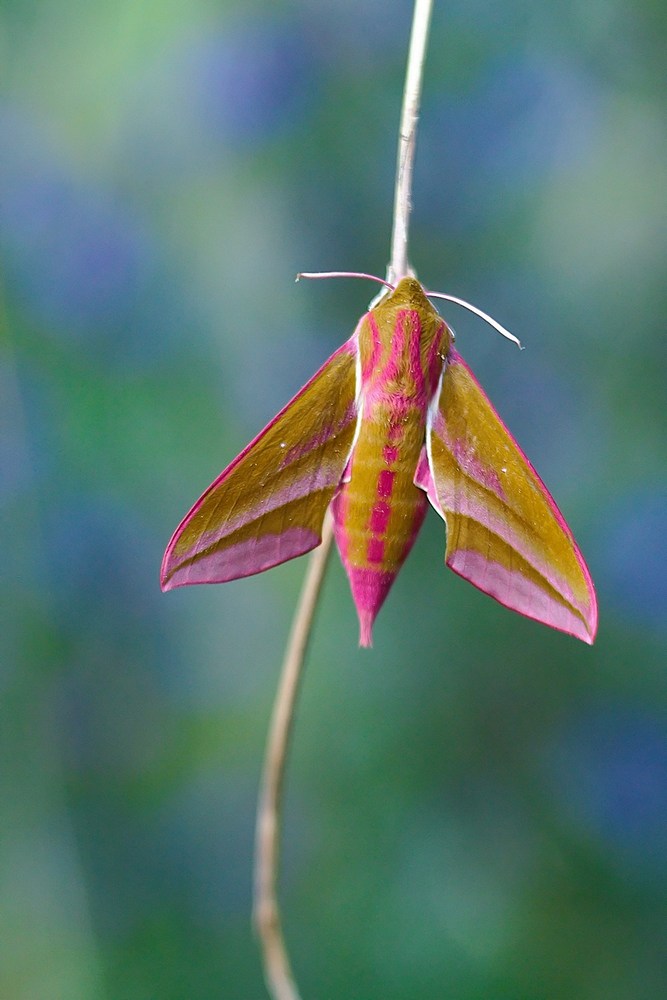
407	138
266	911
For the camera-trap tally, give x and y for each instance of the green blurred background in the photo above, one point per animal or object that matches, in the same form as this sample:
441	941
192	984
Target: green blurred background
477	807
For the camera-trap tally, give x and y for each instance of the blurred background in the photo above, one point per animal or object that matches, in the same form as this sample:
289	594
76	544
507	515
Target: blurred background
476	807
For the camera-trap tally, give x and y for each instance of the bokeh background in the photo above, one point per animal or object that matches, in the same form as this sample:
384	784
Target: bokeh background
476	808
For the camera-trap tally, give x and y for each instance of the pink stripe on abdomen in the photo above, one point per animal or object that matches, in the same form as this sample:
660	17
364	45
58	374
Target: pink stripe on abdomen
385	483
380	518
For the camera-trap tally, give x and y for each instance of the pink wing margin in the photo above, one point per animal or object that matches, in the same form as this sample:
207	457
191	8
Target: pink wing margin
268	505
505	533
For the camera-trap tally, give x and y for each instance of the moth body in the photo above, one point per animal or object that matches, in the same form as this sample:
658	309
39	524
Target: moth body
378	509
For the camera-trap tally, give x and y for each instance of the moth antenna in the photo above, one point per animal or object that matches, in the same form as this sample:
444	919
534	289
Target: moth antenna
343	274
478	312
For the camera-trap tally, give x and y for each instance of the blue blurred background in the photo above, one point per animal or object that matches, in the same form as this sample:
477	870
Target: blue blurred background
476	808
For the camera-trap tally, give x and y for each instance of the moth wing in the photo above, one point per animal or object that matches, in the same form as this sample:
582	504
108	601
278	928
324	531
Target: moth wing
268	505
505	533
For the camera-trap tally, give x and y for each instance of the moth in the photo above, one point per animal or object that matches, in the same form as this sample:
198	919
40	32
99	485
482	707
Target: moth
394	421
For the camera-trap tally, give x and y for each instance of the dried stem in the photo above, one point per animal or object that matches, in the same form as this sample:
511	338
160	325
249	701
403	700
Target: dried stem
266	910
267	837
407	139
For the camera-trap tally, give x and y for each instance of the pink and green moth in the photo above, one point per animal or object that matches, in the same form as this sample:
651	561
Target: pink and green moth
393	421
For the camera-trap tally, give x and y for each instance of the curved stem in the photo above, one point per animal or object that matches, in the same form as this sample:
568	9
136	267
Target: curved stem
266	912
407	139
